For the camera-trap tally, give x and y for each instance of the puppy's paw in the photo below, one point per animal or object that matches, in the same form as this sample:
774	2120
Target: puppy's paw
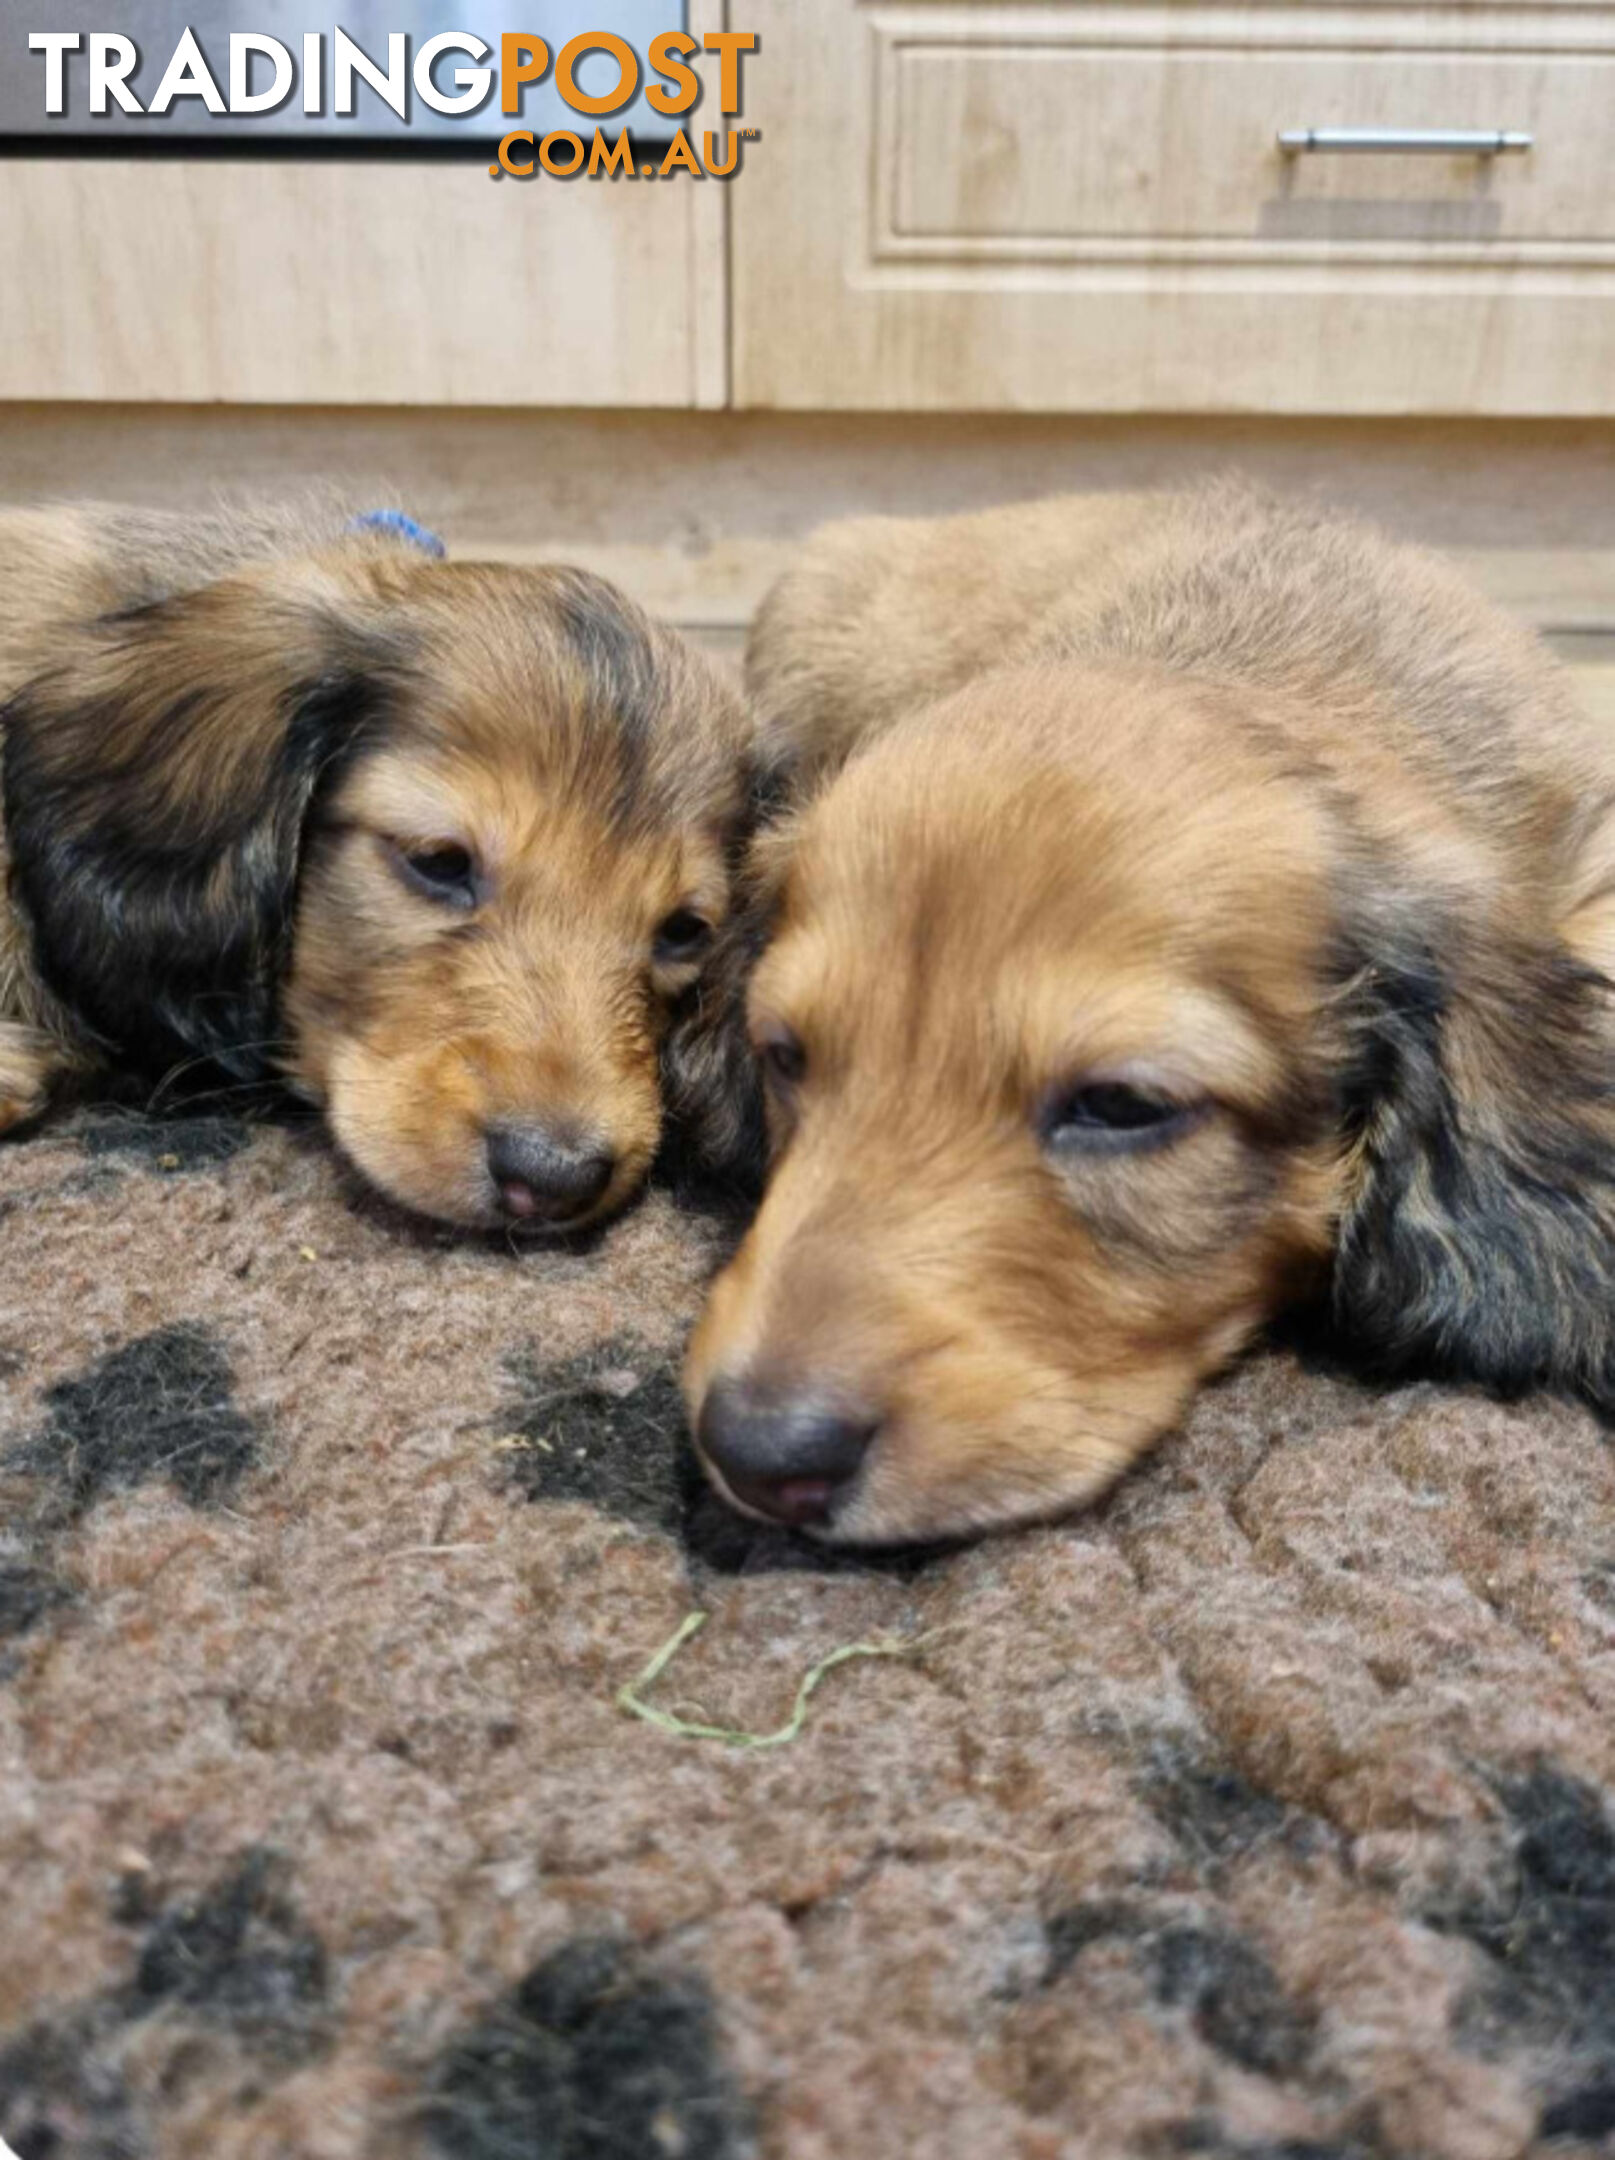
30	1066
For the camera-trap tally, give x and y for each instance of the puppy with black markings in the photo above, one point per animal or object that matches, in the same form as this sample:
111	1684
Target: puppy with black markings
440	846
1193	906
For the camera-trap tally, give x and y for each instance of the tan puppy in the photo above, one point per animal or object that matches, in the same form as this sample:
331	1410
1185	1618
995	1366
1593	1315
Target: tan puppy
441	845
1196	905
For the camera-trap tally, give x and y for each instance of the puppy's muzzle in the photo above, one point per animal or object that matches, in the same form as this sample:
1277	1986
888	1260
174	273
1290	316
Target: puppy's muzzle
547	1174
783	1454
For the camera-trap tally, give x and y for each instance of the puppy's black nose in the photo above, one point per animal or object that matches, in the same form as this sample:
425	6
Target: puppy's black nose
546	1173
783	1455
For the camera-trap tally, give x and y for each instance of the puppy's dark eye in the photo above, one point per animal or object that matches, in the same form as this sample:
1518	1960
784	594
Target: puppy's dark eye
782	1056
442	870
682	937
1107	1116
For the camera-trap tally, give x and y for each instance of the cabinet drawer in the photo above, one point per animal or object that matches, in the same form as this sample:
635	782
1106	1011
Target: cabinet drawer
1053	150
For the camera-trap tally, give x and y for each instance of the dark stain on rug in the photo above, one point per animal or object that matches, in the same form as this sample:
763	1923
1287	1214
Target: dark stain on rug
234	1966
607	1428
591	2057
1221	1982
1232	1997
1582	2117
1208	2138
239	1955
27	1593
62	2099
1076	1927
1545	1926
1598	1584
1546	1922
170	1144
1213	1812
161	1405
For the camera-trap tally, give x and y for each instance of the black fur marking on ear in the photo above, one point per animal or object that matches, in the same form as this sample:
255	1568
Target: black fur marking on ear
715	1143
1481	1243
714	1140
614	646
164	932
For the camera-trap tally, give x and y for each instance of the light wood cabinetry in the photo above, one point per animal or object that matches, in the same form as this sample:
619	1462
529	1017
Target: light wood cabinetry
991	206
372	284
1085	208
367	283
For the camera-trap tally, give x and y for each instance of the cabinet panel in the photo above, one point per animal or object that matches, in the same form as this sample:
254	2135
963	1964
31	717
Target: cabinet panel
365	283
1070	207
1087	149
384	282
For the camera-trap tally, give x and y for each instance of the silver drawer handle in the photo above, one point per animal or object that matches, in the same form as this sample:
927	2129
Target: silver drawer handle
1437	142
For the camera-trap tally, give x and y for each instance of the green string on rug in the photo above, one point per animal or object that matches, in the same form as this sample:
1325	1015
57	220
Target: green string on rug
631	1696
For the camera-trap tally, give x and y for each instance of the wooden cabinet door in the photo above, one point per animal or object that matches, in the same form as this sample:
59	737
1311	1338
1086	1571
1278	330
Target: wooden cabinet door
376	282
959	204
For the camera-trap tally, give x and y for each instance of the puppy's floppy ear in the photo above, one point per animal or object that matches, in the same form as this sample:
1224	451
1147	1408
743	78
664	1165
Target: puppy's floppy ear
1479	1237
710	1084
158	777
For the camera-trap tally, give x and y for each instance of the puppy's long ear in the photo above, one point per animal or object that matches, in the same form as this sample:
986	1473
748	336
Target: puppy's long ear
1479	1240
715	1132
158	777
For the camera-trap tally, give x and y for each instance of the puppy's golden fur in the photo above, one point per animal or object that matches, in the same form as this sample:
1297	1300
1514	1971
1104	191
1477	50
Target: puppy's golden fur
1193	905
440	845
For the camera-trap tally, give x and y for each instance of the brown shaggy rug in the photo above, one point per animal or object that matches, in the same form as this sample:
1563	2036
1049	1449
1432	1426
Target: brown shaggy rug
1264	1812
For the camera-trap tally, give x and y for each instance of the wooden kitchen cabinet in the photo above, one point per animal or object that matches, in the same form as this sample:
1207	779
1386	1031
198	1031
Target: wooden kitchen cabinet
337	284
1085	208
378	281
952	205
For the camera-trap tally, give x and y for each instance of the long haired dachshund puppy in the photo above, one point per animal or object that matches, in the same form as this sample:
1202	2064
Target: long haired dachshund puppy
442	846
1195	905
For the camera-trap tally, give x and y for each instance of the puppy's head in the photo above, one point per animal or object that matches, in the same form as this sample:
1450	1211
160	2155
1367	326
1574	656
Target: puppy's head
1037	1020
445	845
1098	1022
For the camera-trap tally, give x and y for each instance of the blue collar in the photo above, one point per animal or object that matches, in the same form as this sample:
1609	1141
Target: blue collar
397	526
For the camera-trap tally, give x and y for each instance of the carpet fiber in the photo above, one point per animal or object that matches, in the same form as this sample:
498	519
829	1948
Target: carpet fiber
1263	1812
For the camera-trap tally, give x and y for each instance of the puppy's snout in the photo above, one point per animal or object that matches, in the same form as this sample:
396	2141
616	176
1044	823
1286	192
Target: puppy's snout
547	1173
784	1455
